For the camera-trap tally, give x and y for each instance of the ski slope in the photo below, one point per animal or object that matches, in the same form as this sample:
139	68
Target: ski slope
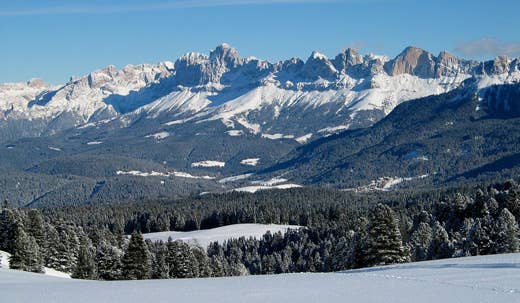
473	279
204	237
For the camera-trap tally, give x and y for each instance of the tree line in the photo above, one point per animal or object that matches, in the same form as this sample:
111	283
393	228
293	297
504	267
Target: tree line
339	231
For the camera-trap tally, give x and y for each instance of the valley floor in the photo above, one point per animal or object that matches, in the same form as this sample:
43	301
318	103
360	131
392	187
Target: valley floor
473	279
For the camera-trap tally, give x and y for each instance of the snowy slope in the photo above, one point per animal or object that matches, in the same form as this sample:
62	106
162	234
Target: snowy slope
475	279
203	238
4	264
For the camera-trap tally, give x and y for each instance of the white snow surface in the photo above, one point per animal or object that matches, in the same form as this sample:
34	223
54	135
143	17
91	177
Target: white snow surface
277	136
208	163
303	139
250	161
162	174
4	264
94	143
203	238
235	178
255	188
159	135
465	280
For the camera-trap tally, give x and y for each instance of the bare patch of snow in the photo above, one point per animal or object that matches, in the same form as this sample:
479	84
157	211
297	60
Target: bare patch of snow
250	162
385	183
160	174
142	174
235	133
304	139
159	135
334	129
208	163
235	178
277	136
255	188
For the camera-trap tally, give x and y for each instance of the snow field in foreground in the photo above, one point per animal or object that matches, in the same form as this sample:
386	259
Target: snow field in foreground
473	279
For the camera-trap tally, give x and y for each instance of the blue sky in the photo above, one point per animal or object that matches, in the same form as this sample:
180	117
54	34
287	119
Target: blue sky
56	39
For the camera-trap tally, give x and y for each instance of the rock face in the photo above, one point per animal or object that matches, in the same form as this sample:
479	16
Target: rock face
350	62
413	61
318	66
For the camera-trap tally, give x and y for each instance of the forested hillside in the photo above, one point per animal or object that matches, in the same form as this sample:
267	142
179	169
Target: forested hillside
341	230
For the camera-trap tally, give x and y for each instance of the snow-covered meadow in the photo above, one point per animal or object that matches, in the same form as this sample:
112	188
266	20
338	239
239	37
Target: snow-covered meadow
474	279
203	238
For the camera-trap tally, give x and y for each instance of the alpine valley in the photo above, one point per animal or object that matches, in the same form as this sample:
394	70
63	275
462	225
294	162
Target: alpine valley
220	122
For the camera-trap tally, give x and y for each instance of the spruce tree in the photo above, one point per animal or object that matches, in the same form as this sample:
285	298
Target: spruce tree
108	260
85	266
384	243
421	241
507	233
181	260
160	268
440	246
26	255
8	223
136	263
35	227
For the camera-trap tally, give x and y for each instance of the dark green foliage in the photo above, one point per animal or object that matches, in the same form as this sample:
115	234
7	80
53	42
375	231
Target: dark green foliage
26	253
136	262
440	245
421	241
86	266
507	228
182	262
8	224
108	260
383	242
35	226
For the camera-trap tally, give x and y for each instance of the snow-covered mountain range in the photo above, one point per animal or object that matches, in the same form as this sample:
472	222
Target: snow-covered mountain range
288	99
179	128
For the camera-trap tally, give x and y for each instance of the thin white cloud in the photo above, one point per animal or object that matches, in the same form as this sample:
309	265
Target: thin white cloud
150	6
488	46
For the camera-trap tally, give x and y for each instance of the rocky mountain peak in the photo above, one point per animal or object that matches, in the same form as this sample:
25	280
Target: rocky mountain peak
36	83
447	64
347	60
225	55
318	66
414	61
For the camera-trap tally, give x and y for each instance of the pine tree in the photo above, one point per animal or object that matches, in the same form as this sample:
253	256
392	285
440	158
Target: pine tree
136	263
181	260
8	223
108	260
421	241
440	247
203	262
384	243
52	254
26	255
508	233
479	238
35	228
160	268
86	266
